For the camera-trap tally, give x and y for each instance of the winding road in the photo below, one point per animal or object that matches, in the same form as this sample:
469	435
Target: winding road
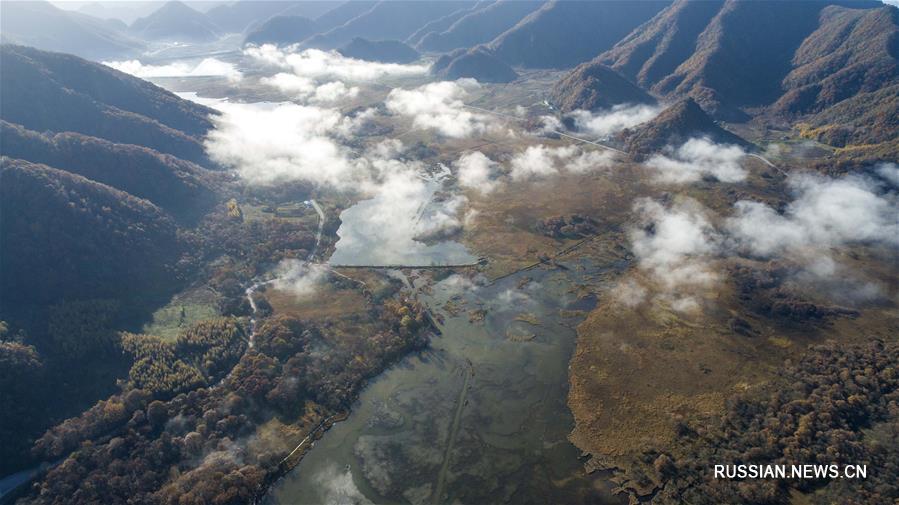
561	134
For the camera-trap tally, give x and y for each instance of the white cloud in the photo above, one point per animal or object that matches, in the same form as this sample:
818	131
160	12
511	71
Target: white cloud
889	172
319	65
271	143
697	158
438	106
307	89
205	68
629	293
591	160
675	244
290	84
541	161
476	171
202	100
338	487
550	124
606	122
826	213
299	278
334	91
393	226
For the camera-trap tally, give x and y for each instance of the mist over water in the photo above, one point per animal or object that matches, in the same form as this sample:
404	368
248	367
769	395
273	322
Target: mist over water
386	230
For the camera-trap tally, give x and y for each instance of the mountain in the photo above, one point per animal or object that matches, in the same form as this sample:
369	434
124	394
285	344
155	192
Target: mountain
42	25
478	63
478	26
64	237
180	187
852	51
861	121
442	24
593	86
738	57
312	9
387	20
282	31
744	54
674	126
657	48
562	34
127	12
59	92
384	51
175	21
247	15
343	13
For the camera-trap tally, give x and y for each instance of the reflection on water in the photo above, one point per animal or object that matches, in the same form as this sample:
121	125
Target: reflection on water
406	223
479	418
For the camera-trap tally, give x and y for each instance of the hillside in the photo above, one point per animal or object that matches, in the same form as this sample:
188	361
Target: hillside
562	34
853	51
674	126
865	119
593	86
393	20
736	58
343	13
64	236
384	51
42	25
60	92
175	21
657	48
282	31
479	26
442	24
744	54
180	187
478	63
235	17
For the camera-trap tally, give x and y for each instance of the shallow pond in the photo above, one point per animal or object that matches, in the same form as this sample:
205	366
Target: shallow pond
480	417
407	223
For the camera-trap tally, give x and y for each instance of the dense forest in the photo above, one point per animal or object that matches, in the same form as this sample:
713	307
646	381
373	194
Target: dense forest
183	430
837	405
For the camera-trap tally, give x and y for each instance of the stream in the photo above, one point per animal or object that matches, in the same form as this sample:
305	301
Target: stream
258	284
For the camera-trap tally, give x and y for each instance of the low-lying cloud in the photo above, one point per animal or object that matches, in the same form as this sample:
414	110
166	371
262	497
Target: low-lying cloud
299	278
400	219
305	89
825	213
208	67
889	172
541	161
698	158
272	143
607	122
675	243
675	246
439	106
477	171
323	65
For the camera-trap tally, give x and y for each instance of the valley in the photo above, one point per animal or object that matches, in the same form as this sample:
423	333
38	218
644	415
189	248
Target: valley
462	257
